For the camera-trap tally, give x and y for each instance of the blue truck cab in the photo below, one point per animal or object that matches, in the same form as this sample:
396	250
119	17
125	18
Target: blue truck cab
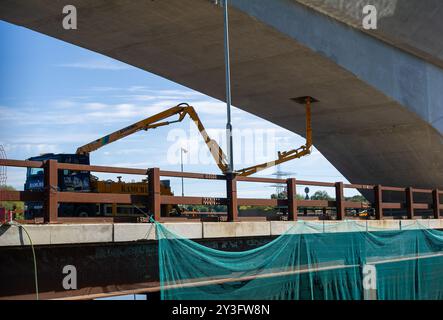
75	181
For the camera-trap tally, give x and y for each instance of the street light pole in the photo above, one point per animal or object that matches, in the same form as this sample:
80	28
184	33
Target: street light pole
228	92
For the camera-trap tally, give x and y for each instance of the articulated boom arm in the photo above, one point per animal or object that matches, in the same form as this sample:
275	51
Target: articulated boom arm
286	155
156	121
217	153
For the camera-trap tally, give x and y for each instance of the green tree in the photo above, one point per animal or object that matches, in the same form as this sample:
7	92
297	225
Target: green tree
356	198
321	195
284	195
281	195
299	197
17	206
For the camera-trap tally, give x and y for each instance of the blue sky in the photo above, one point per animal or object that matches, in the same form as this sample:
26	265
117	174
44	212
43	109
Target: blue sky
55	97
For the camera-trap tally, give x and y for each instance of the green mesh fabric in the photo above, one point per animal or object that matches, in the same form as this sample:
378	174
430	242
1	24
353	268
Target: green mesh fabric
310	261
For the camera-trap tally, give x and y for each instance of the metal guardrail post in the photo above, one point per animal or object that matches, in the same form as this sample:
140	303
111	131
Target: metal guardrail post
50	206
436	203
231	195
154	193
339	201
410	203
378	197
292	199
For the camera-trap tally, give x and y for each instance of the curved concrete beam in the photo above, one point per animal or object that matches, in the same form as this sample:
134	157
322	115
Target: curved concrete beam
380	115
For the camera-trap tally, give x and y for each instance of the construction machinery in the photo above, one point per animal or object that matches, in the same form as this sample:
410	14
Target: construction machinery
216	151
84	181
291	154
156	121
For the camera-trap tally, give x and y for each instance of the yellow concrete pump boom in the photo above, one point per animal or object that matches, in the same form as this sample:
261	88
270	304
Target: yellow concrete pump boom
155	121
286	155
219	156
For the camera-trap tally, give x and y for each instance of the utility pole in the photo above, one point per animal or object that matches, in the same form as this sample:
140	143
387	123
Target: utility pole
228	92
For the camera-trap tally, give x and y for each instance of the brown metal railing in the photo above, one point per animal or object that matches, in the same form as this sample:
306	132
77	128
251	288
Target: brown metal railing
51	196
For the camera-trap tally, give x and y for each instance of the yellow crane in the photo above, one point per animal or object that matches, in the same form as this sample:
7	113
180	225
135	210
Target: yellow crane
216	151
159	120
155	121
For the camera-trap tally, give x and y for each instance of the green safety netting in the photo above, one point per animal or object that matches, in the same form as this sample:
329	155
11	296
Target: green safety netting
343	260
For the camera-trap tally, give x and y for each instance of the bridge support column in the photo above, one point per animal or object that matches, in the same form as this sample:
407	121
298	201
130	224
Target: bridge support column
50	206
231	195
292	199
154	193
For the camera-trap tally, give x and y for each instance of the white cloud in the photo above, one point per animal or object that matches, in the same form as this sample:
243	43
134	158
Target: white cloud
30	148
136	165
64	104
210	107
105	89
137	88
52	138
95	106
97	64
130	151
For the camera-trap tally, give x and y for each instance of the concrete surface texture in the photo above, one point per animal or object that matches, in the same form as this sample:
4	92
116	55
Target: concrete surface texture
412	25
380	115
127	232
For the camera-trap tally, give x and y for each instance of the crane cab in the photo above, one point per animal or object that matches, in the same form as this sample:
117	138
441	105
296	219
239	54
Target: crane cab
76	181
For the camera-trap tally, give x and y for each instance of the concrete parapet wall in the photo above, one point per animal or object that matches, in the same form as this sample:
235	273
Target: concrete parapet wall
236	229
133	231
127	232
190	230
